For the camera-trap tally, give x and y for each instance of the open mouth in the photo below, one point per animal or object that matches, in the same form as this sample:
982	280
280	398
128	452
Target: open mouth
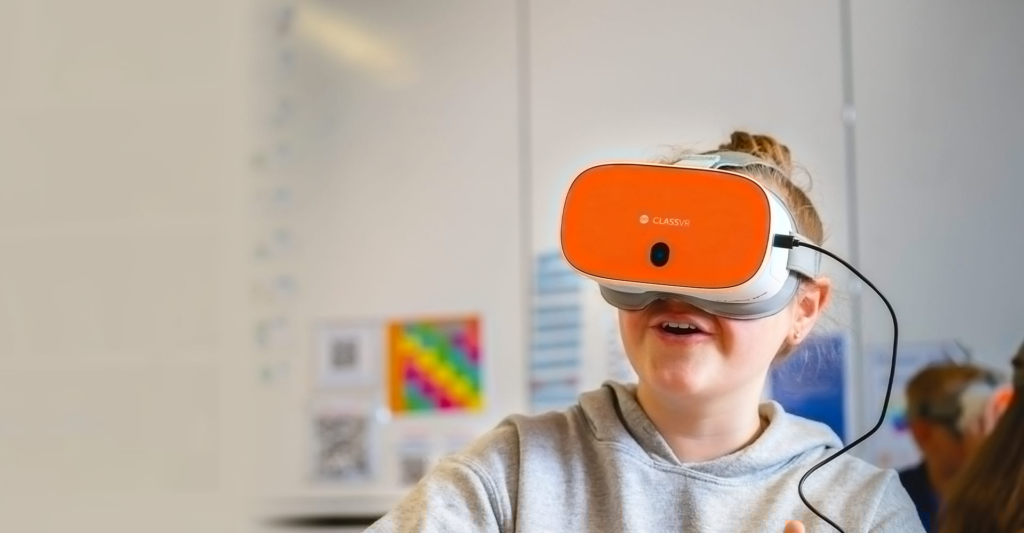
679	328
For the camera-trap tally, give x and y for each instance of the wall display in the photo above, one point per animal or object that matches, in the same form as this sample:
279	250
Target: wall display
434	365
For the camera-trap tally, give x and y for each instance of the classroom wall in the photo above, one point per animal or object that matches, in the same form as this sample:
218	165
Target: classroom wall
141	176
938	180
551	92
409	208
120	233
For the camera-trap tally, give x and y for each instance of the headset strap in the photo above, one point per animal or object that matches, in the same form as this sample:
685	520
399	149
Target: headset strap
723	160
803	261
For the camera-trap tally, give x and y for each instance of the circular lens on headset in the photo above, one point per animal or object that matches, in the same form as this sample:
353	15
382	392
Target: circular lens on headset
659	254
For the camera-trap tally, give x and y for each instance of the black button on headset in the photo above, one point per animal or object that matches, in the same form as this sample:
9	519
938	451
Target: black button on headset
659	254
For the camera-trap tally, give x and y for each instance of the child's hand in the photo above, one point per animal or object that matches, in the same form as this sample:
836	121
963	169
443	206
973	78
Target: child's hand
794	526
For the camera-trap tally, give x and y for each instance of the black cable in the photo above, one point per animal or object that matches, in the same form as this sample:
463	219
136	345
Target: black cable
789	241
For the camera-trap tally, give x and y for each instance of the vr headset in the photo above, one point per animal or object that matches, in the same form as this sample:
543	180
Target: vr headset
697	231
961	408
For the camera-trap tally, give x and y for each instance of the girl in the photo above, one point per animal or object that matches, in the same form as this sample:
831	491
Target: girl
690	447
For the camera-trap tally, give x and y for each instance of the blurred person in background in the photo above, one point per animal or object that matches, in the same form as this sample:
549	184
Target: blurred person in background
933	409
988	495
972	477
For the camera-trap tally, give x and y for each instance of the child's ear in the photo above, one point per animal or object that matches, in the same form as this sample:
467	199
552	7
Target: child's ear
812	299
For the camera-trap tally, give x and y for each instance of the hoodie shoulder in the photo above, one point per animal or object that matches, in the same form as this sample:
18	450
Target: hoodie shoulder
501	451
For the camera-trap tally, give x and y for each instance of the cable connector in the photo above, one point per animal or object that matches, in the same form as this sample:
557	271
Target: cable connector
785	241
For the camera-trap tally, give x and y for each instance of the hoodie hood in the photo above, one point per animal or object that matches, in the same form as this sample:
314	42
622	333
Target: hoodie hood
614	415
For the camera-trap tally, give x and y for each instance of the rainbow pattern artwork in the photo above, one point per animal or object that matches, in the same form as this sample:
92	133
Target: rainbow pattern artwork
434	365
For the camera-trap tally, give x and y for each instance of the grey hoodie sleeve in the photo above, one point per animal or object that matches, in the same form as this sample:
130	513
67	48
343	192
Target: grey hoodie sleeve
896	512
456	496
466	492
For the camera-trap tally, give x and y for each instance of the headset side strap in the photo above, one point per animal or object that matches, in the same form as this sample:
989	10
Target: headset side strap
804	261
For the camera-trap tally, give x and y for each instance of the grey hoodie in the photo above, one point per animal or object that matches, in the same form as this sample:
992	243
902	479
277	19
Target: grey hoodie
602	466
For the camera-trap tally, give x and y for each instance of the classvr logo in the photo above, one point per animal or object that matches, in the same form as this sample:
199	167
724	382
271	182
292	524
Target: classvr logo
660	221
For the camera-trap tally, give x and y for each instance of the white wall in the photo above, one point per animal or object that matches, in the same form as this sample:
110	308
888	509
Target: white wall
118	237
937	92
409	207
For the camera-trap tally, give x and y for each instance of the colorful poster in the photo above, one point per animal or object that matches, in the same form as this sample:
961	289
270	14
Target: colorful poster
812	382
555	362
435	366
893	446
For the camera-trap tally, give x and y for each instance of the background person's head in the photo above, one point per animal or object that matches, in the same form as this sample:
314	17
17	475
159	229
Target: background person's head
929	393
988	494
728	359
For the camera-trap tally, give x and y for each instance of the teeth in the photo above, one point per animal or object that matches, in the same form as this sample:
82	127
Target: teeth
678	325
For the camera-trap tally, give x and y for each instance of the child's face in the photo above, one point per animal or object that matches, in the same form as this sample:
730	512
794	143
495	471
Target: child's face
724	357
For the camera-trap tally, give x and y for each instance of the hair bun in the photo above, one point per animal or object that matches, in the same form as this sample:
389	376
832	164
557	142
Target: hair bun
763	146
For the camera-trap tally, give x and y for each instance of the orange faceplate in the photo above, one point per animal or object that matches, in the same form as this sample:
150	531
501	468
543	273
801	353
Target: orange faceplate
715	223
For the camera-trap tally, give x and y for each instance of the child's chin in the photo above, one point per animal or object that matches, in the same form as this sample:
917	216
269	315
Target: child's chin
682	382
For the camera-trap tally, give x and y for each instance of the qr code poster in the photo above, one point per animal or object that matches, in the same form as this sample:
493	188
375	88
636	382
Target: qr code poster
346	355
415	459
343	435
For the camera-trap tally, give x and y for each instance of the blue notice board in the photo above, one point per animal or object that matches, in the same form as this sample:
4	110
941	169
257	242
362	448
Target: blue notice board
812	382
